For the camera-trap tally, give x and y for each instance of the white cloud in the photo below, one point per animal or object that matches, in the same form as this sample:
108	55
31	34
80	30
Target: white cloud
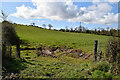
113	1
110	1
54	11
31	20
97	13
40	21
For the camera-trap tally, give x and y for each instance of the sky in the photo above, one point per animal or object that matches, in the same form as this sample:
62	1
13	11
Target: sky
92	15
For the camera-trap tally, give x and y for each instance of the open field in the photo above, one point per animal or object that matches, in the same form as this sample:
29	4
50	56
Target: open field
69	65
59	40
80	41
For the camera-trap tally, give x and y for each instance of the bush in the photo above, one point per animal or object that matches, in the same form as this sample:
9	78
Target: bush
8	33
101	74
9	38
113	54
111	50
102	66
98	74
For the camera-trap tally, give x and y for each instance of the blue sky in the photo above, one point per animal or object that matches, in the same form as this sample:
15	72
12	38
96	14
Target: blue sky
10	8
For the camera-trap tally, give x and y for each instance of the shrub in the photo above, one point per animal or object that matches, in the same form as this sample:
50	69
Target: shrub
102	66
101	74
111	50
98	74
113	54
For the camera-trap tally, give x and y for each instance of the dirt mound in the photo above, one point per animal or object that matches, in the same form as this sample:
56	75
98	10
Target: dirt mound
52	51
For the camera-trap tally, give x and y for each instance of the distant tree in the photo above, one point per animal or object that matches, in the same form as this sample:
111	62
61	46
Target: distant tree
50	26
75	29
66	28
113	32
95	31
56	30
80	28
33	24
103	32
63	30
84	29
99	28
71	30
88	31
44	25
107	28
98	32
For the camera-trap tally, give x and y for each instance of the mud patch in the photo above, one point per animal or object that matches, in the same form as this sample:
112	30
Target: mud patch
57	52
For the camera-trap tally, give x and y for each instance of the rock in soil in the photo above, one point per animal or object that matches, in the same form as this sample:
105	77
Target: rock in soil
46	52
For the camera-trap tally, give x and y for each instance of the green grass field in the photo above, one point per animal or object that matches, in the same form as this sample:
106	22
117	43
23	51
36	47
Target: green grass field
64	66
80	41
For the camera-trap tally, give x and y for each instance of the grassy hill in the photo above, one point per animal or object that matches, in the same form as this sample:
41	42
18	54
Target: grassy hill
80	41
65	66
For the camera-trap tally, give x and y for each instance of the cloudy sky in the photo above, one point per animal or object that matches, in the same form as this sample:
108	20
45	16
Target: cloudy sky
67	13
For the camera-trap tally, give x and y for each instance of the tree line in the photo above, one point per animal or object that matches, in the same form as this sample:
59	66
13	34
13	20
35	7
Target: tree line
82	29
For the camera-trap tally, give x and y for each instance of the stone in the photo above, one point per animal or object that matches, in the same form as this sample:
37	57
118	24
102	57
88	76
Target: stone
46	52
80	55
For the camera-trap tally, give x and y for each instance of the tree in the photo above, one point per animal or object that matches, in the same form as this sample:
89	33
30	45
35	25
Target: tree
80	27
113	32
9	33
71	30
50	26
63	30
75	29
98	32
103	32
95	31
107	28
33	24
9	36
44	25
66	29
88	31
84	29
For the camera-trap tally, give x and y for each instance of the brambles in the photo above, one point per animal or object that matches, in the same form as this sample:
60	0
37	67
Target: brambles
113	54
111	50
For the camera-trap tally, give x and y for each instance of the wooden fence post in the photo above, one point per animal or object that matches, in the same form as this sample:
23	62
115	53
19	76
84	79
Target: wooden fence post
10	50
18	48
95	50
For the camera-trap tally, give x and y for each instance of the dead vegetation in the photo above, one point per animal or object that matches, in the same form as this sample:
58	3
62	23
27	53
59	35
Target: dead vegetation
57	52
